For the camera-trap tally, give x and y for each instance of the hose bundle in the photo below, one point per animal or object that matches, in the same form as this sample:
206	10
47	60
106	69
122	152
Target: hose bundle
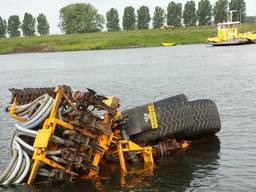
35	112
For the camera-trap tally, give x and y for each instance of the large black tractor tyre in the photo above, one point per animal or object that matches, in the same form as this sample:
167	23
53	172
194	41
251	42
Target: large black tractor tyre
172	117
206	120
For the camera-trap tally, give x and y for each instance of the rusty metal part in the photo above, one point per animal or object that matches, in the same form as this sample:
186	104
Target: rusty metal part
90	98
27	95
168	145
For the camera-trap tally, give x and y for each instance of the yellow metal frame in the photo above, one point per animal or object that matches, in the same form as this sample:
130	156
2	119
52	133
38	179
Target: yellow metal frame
104	141
13	114
107	137
125	146
43	137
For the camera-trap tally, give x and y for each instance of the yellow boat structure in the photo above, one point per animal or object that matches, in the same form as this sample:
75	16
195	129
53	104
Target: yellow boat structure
228	34
168	44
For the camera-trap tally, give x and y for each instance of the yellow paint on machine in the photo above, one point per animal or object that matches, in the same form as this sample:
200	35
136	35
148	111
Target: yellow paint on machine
152	115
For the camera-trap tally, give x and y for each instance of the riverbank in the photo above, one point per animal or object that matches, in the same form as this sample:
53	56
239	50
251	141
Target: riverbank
110	40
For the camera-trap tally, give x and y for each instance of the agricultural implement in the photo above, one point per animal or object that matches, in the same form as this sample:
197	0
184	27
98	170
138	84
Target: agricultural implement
65	135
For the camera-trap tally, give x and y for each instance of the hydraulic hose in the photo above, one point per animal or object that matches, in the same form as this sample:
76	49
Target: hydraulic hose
57	159
68	132
44	173
22	108
54	138
25	108
59	113
19	108
24	144
36	120
10	165
27	111
12	169
42	103
33	110
53	152
44	115
18	165
24	130
40	107
31	148
21	169
25	172
36	112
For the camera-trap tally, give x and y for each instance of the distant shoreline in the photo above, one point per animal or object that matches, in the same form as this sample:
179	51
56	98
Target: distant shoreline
110	40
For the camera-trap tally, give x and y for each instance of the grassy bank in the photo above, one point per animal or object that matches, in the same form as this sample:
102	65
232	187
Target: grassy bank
110	40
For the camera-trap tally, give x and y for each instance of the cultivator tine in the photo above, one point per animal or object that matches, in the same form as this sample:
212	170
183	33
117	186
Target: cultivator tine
27	95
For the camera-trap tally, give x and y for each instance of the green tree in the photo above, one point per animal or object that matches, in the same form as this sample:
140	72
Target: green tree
240	7
220	11
204	12
174	14
143	17
13	28
112	20
159	18
3	27
28	25
42	25
189	14
80	18
129	18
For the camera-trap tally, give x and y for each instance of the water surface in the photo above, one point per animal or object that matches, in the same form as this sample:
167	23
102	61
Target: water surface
137	76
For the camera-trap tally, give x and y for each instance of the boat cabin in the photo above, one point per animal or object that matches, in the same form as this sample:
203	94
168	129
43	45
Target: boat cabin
228	30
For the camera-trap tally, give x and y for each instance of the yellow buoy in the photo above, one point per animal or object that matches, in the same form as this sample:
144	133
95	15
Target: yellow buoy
168	44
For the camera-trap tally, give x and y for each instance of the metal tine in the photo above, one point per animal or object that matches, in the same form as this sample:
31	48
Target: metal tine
91	91
101	97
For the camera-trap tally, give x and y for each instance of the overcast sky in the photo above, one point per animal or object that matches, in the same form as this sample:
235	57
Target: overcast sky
51	7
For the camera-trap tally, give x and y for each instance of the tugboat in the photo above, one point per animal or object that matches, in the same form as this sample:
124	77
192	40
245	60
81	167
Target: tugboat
228	34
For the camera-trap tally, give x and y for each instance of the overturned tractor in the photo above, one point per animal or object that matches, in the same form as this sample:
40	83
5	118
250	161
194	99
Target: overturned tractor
65	135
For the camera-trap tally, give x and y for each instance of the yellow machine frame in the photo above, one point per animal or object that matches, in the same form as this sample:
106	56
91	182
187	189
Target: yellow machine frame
44	135
125	146
12	112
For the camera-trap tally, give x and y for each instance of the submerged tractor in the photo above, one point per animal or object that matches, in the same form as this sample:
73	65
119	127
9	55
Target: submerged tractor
65	134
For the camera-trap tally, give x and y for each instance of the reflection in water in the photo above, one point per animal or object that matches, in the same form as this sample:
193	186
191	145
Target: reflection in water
176	172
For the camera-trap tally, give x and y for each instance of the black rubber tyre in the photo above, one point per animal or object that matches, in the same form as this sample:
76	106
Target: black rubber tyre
186	121
137	122
172	119
205	117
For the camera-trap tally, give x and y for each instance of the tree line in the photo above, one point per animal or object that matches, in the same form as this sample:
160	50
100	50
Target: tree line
28	26
82	17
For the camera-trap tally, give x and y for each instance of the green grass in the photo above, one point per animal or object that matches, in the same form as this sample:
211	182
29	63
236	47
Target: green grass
111	40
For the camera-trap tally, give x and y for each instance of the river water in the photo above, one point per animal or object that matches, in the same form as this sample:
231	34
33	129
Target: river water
137	76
